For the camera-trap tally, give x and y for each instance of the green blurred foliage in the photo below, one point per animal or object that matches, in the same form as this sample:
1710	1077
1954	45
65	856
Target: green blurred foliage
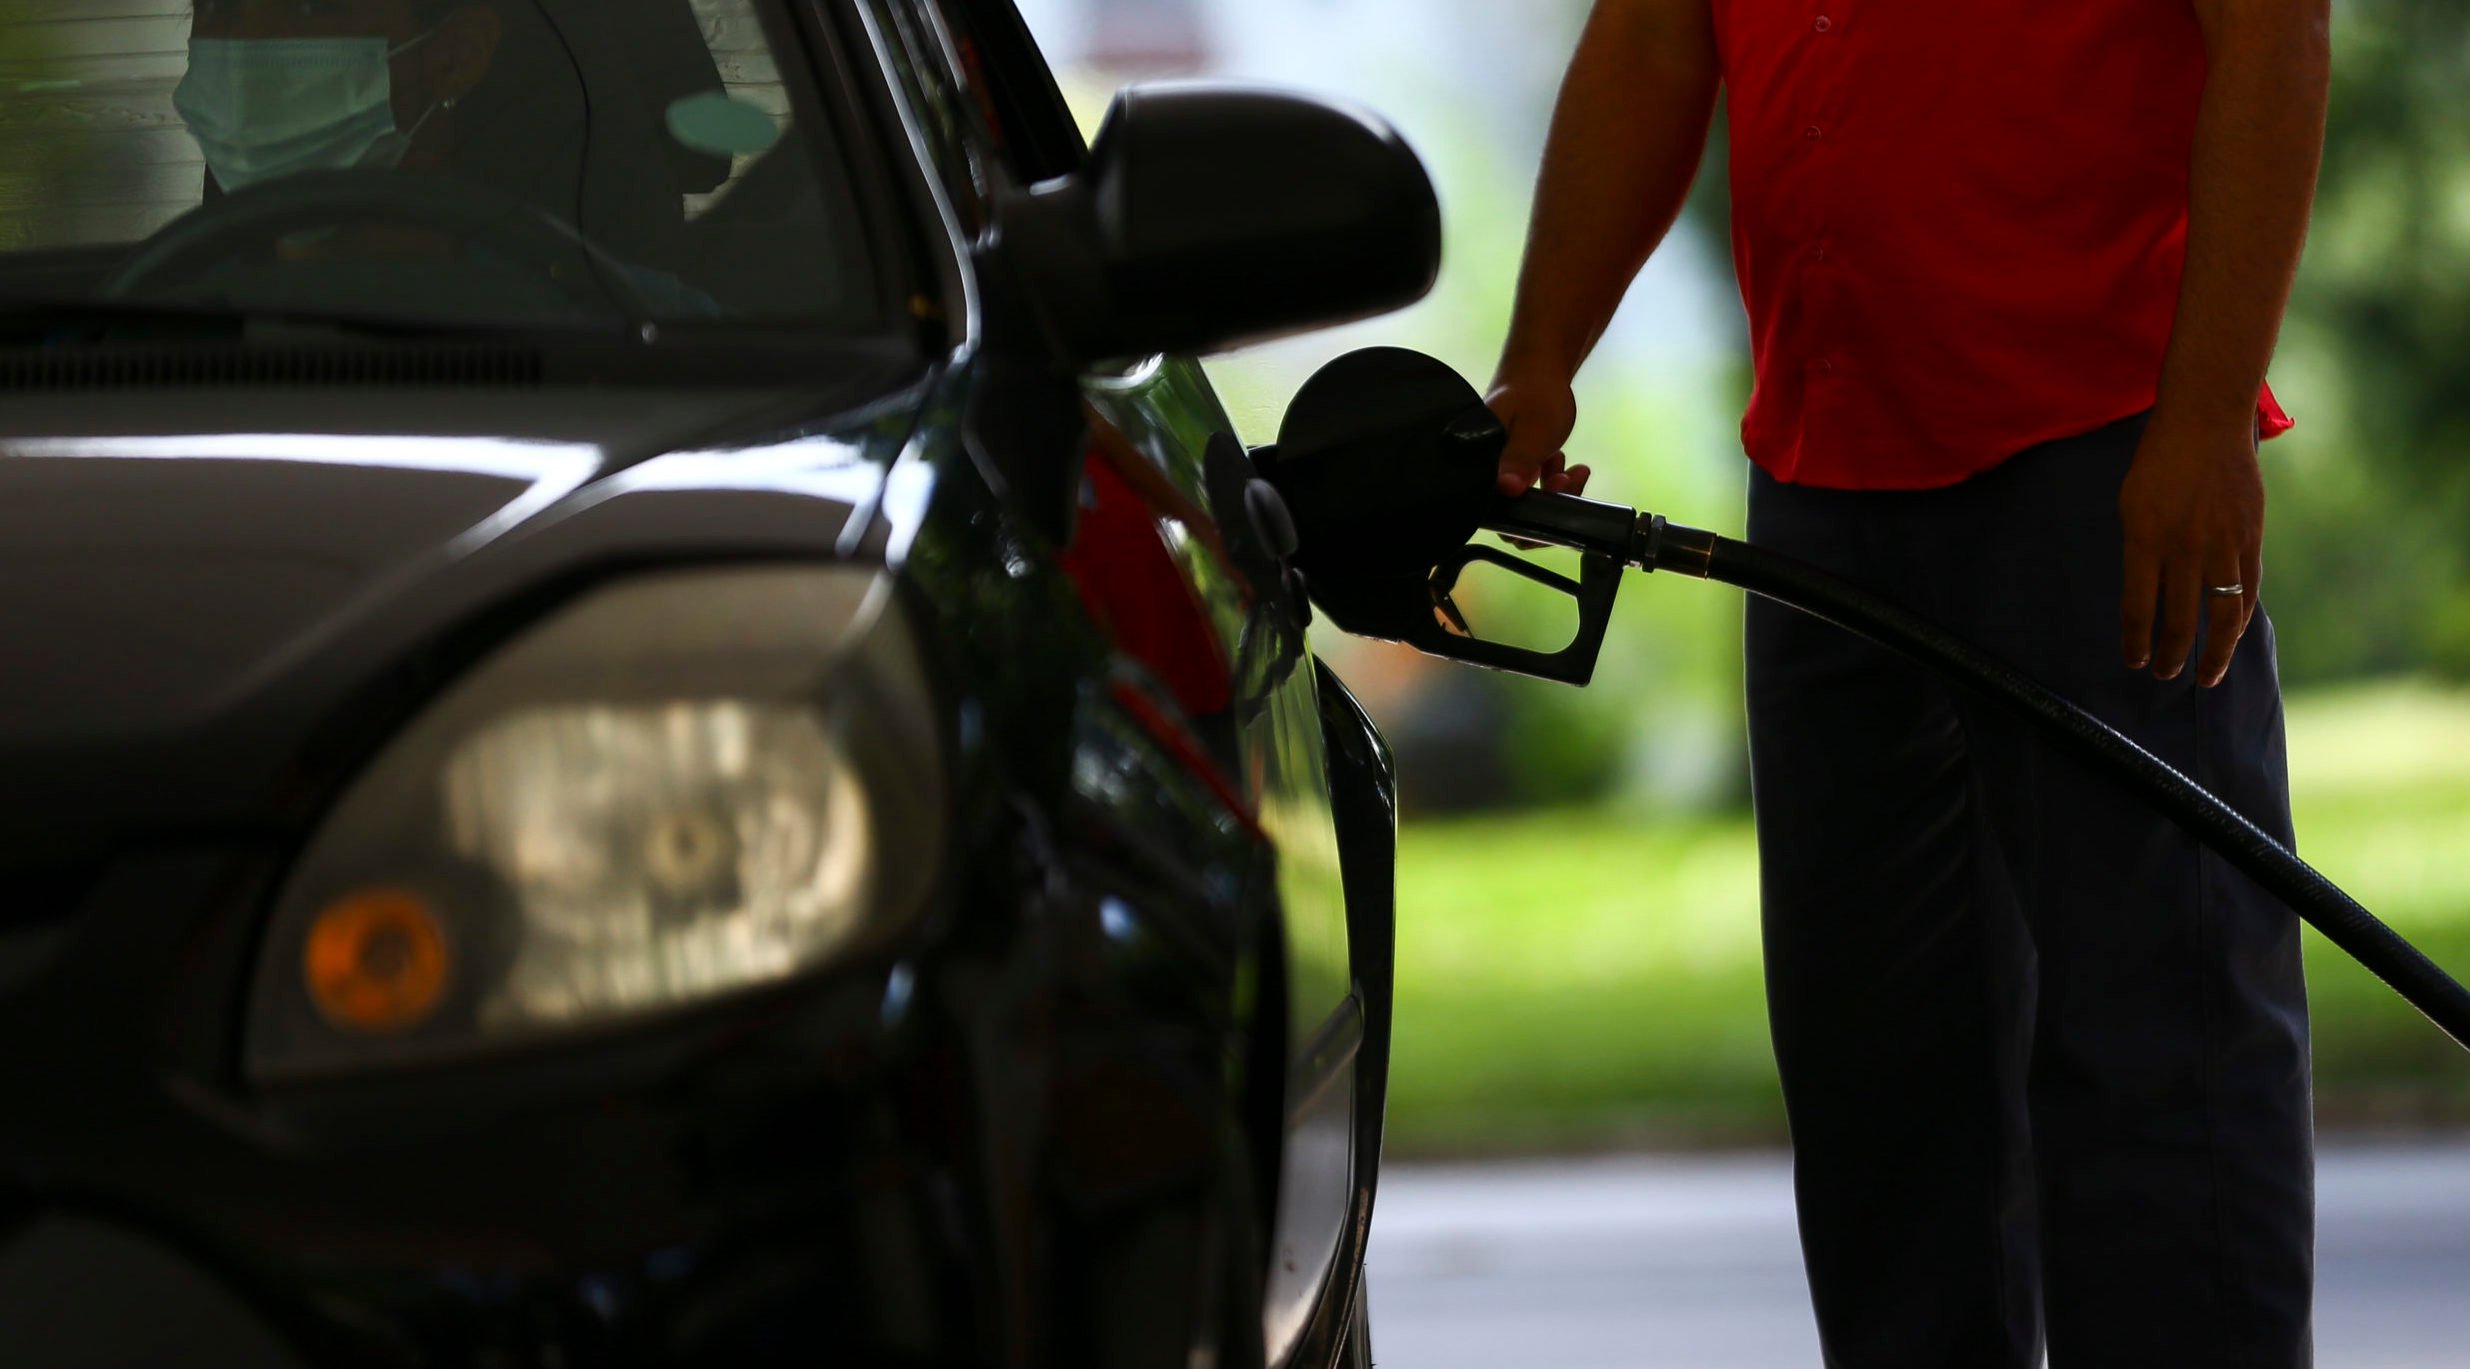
1575	978
2371	496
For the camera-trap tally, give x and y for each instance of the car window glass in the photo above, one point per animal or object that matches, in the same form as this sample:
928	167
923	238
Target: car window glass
751	84
485	160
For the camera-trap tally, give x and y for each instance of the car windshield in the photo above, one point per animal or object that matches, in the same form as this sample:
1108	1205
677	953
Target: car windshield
482	163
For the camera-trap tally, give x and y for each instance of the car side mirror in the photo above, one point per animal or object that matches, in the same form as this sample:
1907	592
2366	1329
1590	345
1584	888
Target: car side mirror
1213	216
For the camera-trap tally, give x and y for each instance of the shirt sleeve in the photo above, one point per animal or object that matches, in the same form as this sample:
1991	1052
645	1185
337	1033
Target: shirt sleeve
2271	419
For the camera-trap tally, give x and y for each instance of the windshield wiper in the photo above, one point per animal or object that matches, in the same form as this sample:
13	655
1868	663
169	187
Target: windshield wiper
50	322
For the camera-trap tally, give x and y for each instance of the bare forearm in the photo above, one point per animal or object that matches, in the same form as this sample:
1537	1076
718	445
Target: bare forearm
2259	137
1627	136
2191	510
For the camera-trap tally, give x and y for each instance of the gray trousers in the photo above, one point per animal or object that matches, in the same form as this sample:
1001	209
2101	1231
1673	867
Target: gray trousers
2045	1059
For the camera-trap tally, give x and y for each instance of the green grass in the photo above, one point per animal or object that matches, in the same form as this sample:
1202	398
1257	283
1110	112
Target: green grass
1580	979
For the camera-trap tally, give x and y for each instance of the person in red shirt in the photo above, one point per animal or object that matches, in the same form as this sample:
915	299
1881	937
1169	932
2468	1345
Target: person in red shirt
2013	273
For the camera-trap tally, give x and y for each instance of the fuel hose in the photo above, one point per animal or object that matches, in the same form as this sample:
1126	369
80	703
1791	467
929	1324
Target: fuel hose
1691	552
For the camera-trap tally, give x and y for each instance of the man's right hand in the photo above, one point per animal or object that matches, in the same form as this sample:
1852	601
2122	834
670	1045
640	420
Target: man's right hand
1540	416
1627	135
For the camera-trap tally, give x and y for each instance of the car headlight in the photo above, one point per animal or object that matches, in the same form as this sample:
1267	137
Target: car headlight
680	787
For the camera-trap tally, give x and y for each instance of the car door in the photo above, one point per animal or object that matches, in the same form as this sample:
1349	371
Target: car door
1166	412
1159	427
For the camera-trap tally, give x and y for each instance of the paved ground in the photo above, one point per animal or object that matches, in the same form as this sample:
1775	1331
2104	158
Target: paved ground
1690	1263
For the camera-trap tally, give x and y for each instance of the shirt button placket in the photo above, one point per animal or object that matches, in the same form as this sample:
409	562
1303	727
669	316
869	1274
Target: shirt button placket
1822	364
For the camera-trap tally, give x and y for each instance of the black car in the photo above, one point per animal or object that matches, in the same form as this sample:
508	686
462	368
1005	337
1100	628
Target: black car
649	715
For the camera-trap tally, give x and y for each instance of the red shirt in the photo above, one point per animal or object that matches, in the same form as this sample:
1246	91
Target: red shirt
1958	224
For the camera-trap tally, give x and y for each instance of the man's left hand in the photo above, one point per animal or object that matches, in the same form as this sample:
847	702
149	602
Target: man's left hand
2192	509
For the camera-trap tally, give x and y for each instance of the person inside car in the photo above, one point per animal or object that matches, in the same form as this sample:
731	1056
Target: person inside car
488	97
278	87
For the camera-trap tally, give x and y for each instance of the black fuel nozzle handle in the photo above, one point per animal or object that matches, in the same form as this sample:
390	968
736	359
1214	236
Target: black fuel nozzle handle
1446	633
1610	540
1388	462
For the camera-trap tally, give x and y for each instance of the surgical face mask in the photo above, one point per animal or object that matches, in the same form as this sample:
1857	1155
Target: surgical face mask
267	107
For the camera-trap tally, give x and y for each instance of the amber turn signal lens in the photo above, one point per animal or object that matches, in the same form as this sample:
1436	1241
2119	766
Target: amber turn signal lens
376	960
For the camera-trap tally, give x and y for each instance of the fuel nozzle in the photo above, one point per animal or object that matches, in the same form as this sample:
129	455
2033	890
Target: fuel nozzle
1388	460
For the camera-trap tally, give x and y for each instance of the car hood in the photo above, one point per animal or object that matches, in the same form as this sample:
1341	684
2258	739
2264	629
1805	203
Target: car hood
166	571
